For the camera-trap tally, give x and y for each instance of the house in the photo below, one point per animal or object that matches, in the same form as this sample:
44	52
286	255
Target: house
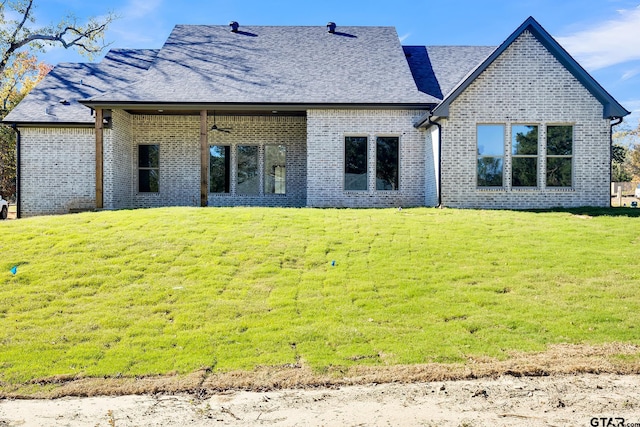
318	117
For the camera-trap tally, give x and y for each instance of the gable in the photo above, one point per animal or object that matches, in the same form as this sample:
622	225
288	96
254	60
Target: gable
610	107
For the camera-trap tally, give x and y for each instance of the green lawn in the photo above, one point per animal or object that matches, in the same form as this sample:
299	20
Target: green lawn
173	290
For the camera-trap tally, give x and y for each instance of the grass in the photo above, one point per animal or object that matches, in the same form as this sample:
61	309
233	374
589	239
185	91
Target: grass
174	290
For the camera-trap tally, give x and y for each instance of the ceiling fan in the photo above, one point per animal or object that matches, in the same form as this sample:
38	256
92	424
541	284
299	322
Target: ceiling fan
215	127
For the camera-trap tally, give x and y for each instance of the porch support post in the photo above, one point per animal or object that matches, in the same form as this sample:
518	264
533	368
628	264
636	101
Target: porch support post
99	158
204	160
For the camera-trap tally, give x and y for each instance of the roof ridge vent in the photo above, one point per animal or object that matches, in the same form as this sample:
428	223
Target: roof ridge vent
234	26
331	27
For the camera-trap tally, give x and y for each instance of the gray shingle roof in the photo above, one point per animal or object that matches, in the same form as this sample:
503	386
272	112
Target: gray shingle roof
438	69
262	64
70	82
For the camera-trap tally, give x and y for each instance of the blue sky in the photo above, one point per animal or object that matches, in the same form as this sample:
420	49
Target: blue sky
603	35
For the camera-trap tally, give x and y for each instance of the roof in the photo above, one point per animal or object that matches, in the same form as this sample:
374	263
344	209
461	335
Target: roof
55	99
438	69
275	65
611	107
206	65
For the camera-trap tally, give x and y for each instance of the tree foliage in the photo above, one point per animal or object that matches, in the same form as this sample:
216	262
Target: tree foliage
23	32
20	70
625	159
17	80
619	169
633	163
524	170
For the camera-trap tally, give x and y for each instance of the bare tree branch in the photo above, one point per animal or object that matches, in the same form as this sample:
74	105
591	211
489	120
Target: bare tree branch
26	15
87	39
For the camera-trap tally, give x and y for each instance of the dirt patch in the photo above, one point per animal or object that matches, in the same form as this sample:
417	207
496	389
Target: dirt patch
621	359
557	400
566	385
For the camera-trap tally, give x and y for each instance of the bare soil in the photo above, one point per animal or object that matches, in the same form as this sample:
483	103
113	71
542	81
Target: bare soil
558	400
566	385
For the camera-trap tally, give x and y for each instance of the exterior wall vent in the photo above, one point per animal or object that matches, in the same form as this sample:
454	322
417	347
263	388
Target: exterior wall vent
234	26
331	27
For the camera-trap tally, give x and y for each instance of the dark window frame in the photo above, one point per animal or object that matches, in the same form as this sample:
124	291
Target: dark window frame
256	172
517	157
226	172
148	169
564	156
351	167
267	176
480	157
382	176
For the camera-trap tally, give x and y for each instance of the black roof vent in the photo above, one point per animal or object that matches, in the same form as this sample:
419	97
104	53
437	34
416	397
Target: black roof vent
234	26
331	27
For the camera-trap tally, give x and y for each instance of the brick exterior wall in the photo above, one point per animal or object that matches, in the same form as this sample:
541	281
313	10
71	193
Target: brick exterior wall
526	85
57	170
325	160
179	141
118	162
262	131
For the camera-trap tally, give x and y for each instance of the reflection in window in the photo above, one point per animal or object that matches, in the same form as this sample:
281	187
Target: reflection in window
524	163
248	176
559	156
219	168
275	169
387	159
490	145
148	168
355	163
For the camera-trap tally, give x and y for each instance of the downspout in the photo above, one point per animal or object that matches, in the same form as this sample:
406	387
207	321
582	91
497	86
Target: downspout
611	125
431	122
18	140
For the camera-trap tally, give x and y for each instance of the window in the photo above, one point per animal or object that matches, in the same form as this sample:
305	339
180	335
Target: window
387	161
524	161
355	163
275	169
490	141
148	168
559	156
248	174
219	168
248	159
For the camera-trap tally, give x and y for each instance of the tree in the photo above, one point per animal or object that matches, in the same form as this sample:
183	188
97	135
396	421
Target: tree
633	162
17	80
628	137
20	70
619	154
524	170
16	34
